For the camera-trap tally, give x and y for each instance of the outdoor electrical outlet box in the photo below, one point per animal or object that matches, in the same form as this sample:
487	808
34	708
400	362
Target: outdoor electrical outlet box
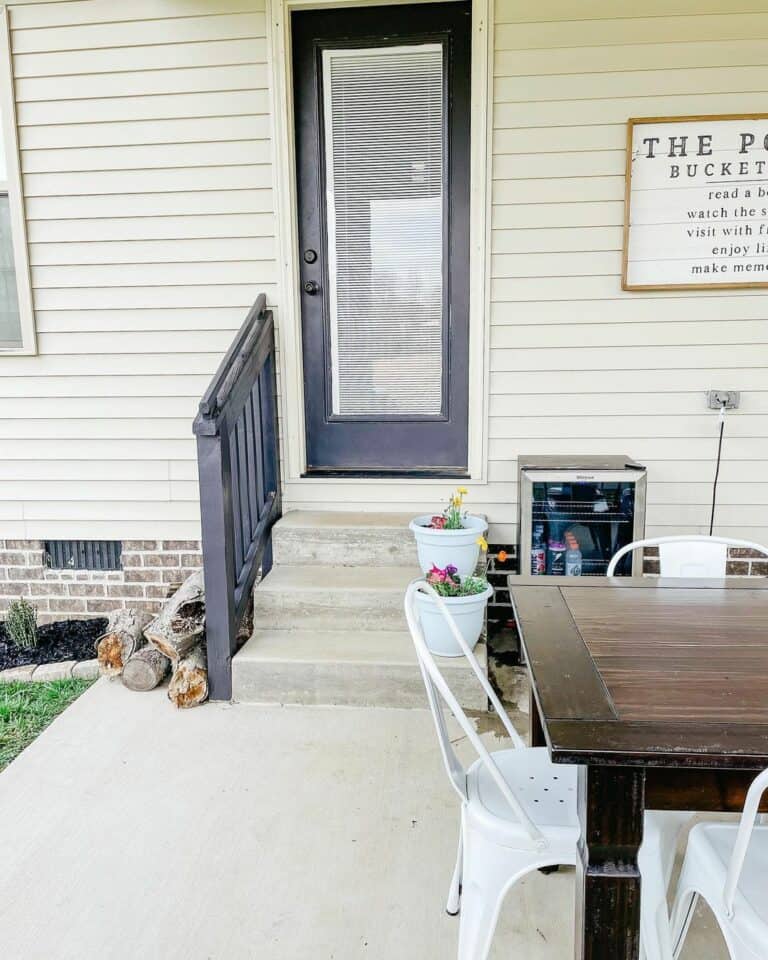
717	399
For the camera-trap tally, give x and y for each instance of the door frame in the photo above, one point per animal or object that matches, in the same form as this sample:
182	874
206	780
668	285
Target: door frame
278	17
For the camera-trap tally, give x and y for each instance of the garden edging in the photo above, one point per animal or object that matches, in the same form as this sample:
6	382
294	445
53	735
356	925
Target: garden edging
44	672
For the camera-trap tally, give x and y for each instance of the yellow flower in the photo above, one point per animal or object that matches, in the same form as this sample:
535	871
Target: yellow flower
482	542
456	501
463	491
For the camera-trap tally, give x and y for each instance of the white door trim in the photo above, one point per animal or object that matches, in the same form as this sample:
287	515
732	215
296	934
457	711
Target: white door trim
286	211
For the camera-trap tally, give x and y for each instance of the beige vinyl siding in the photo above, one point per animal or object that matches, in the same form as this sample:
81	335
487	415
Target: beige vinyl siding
576	365
145	150
144	136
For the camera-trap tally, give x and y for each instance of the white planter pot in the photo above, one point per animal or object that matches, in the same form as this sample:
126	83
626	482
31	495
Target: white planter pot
469	614
444	547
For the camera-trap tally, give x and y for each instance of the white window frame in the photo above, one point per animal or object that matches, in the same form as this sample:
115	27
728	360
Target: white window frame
288	306
15	196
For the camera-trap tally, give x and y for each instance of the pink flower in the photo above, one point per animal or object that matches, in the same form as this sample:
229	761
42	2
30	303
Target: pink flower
436	575
438	523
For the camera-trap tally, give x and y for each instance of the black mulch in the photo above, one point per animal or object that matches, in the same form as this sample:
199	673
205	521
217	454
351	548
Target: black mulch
62	640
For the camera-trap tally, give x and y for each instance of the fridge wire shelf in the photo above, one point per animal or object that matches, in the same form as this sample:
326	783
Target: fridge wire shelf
575	511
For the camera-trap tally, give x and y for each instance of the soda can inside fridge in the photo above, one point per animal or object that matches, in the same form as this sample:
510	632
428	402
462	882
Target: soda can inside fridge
576	512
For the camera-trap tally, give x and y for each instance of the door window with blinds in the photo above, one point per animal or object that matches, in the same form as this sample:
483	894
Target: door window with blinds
383	129
382	137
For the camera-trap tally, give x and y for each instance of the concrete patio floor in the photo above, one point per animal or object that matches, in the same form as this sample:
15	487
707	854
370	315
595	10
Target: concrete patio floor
129	830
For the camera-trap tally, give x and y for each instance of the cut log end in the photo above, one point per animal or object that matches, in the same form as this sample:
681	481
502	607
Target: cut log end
122	638
145	670
189	617
109	653
189	683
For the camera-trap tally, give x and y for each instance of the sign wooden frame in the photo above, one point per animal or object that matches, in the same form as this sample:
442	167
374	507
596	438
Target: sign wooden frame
703	285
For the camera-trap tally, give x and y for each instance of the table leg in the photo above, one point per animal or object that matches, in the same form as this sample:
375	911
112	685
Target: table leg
537	737
611	806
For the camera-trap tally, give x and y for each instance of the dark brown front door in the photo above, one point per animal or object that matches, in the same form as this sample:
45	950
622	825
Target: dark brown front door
382	113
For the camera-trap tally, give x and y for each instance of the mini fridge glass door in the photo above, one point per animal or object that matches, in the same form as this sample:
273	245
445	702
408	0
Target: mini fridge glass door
574	521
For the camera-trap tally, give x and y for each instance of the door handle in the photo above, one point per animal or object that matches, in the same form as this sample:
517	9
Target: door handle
311	287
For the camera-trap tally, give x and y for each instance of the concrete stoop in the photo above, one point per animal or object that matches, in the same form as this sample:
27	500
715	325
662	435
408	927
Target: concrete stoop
317	538
329	621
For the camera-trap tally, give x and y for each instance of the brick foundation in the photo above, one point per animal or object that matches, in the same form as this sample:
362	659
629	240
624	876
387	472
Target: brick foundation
151	570
741	562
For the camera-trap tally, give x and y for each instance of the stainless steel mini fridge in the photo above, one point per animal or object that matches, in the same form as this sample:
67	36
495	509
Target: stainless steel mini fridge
576	512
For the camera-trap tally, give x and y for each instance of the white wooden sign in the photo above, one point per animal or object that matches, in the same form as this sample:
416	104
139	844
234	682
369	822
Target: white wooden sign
696	205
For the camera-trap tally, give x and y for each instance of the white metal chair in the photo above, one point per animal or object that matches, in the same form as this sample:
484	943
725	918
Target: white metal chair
727	865
693	555
519	813
661	831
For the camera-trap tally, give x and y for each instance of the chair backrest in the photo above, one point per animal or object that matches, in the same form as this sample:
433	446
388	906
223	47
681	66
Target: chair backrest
439	693
743	834
691	556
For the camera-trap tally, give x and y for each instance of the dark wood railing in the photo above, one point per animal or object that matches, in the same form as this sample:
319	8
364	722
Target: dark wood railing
238	465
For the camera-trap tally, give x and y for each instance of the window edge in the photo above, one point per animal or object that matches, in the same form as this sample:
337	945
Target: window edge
28	344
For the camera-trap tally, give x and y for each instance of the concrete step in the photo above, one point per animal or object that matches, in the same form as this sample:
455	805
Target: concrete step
332	598
344	539
371	668
330	626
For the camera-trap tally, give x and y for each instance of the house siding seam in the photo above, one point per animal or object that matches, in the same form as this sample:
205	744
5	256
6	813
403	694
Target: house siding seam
147	172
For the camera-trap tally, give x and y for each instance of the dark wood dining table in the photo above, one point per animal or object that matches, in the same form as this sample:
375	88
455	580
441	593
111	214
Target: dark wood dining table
658	689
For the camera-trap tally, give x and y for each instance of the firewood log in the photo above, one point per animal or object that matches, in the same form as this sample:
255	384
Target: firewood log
189	683
145	669
123	637
180	624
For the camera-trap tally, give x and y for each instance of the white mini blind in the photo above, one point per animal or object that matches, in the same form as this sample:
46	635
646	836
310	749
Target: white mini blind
384	139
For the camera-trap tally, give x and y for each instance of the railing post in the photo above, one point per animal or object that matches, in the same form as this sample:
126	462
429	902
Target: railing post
239	469
214	470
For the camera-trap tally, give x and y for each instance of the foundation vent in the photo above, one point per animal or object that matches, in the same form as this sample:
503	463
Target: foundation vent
83	554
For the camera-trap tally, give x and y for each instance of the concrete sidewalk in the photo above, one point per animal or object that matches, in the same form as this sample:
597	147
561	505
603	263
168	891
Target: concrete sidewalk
129	830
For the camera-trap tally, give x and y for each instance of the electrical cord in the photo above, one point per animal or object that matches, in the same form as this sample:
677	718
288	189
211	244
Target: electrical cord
717	469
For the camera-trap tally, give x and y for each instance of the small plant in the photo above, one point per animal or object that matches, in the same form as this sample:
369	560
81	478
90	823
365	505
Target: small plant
448	583
452	518
21	624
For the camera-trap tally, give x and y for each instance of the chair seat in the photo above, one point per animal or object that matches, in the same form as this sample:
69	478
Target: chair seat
710	846
546	790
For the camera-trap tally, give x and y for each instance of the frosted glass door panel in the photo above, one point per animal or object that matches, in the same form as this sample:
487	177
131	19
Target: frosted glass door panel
384	135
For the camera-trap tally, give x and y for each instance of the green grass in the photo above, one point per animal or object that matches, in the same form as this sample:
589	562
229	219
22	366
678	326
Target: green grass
26	709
